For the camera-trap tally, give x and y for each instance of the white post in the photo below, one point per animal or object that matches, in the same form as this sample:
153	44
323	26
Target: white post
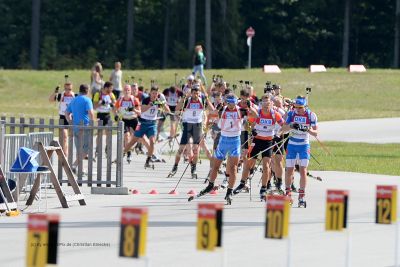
289	251
251	40
348	249
396	245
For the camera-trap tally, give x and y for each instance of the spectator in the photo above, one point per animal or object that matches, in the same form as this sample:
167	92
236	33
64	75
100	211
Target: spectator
116	79
198	63
96	78
80	111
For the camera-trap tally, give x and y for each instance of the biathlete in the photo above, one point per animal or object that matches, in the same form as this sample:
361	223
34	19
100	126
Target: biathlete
148	122
192	118
128	108
263	144
230	124
302	123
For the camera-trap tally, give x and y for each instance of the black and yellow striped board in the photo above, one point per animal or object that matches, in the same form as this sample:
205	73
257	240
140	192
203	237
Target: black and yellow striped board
37	241
133	232
277	218
386	204
209	226
336	210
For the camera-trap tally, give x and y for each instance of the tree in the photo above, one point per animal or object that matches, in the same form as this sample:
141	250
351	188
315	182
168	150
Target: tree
35	31
208	34
166	33
129	33
192	24
346	34
396	36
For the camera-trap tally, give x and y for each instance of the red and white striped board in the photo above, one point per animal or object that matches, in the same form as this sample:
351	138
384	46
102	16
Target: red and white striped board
271	69
357	68
317	68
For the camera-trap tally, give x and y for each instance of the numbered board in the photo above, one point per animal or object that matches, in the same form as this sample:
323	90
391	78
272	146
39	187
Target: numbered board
209	226
277	218
386	204
133	232
336	210
37	241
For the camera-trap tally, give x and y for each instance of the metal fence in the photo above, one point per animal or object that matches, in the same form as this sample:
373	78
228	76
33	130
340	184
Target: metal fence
100	170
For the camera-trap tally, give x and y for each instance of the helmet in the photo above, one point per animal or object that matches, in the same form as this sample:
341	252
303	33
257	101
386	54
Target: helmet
300	101
231	99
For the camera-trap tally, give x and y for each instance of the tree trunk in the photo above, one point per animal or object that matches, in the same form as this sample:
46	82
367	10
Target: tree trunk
346	34
166	33
208	34
35	34
192	24
129	34
396	36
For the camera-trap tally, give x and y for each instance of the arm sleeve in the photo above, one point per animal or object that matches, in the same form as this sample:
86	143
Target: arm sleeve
58	97
96	97
279	119
89	105
289	117
314	119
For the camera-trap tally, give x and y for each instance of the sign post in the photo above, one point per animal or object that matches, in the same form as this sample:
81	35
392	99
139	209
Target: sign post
209	226
133	232
250	32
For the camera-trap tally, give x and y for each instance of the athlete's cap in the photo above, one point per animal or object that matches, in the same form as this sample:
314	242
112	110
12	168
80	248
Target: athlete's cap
231	99
190	78
300	102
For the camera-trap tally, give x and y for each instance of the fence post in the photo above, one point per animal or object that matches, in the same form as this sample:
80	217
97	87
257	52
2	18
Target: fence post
12	128
2	139
109	151
60	167
22	126
90	155
99	152
120	151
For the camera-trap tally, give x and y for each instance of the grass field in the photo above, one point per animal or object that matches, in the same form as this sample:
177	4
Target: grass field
357	157
335	95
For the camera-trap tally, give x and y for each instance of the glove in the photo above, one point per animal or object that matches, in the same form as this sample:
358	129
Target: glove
103	102
116	118
130	109
295	126
111	105
304	128
248	103
57	89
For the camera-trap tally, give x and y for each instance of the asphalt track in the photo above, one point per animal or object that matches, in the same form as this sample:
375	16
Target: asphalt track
172	223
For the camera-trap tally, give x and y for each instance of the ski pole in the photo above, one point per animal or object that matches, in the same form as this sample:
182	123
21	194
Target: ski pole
259	153
315	159
323	146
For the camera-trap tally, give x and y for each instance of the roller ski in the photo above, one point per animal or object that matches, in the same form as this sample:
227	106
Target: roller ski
129	157
242	187
154	158
302	203
193	171
228	197
263	193
203	192
173	172
289	195
147	164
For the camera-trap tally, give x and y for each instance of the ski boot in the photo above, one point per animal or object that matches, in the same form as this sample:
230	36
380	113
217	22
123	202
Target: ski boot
206	190
240	187
278	186
302	202
129	157
147	164
228	196
263	193
289	195
293	188
269	188
173	172
193	170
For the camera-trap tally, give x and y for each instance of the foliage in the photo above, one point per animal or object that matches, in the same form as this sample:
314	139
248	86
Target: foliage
74	34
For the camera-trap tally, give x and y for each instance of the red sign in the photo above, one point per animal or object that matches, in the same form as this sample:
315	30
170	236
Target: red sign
250	32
